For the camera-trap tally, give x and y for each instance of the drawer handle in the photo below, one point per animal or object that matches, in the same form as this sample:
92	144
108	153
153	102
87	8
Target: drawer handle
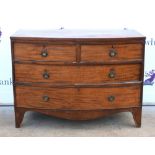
112	74
45	98
111	98
44	53
46	75
112	53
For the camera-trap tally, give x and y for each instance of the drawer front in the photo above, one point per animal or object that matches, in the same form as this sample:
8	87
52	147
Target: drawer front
101	53
44	53
77	74
77	99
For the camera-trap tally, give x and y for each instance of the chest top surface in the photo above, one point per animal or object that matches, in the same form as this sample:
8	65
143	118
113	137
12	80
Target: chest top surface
76	34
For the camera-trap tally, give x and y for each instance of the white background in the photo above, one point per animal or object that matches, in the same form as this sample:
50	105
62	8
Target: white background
85	14
77	146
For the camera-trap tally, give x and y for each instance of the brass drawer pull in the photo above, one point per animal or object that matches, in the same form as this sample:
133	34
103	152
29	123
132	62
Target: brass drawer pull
111	98
112	74
46	75
112	53
45	98
44	53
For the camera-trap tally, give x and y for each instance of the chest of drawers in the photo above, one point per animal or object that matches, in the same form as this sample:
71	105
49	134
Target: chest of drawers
78	74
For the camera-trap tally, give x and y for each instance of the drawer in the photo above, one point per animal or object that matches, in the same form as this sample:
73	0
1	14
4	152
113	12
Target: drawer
77	99
77	74
102	53
39	52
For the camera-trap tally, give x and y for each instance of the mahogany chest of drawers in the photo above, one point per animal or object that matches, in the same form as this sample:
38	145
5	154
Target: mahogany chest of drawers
78	74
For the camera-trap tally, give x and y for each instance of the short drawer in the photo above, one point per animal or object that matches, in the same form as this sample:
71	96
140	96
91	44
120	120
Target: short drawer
39	52
77	99
77	74
103	53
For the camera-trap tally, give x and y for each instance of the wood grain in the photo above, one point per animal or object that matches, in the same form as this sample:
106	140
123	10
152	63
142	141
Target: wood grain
23	51
77	74
77	99
100	53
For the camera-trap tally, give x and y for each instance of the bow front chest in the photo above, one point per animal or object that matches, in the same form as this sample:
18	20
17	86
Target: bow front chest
78	74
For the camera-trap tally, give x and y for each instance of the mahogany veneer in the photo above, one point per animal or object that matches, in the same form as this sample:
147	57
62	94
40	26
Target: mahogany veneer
78	74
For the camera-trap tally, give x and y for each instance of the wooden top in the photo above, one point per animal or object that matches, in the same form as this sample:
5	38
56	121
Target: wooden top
76	34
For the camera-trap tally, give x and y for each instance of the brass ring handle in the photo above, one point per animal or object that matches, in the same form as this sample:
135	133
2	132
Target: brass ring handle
112	53
44	53
112	74
45	98
111	98
46	75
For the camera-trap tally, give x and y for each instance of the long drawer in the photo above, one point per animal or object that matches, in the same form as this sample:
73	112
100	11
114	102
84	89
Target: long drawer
120	52
77	74
40	52
77	98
